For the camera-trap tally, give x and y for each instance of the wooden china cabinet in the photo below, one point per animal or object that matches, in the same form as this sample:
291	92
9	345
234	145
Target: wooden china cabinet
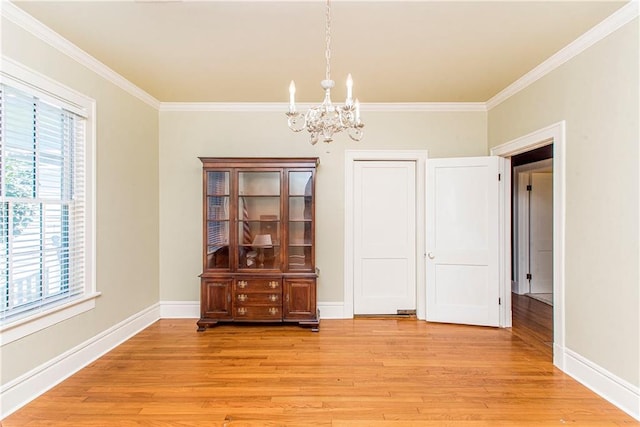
258	241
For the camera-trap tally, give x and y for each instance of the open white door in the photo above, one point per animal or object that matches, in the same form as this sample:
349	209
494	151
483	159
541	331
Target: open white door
462	241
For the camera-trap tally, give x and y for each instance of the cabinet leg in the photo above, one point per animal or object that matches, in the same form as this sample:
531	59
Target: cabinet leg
314	324
205	323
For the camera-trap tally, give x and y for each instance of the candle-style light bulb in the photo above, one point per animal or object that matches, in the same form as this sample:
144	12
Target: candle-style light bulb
349	89
292	97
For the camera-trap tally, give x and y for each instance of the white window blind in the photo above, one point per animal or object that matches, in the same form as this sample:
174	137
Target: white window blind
42	204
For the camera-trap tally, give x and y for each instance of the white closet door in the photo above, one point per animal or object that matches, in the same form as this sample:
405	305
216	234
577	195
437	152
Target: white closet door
384	237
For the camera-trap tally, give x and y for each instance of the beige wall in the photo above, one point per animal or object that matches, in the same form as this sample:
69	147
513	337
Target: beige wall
127	205
597	94
184	136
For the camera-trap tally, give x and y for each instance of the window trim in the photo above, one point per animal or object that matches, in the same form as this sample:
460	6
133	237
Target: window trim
21	77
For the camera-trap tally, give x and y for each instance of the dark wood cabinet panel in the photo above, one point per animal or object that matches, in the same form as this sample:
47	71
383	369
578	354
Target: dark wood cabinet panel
300	299
215	305
258	241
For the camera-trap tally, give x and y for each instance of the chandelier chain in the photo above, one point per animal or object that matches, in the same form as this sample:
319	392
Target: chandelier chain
327	52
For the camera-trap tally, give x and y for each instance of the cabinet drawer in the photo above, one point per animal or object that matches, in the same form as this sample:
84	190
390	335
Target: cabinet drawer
246	298
253	313
258	285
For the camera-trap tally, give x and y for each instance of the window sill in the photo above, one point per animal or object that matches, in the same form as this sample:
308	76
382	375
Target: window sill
29	325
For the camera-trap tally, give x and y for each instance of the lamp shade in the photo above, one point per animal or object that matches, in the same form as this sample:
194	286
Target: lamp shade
262	241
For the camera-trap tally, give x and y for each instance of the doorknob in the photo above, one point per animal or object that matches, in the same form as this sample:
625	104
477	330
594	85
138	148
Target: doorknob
431	255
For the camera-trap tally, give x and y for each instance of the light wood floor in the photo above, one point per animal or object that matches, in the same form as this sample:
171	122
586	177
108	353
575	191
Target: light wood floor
365	372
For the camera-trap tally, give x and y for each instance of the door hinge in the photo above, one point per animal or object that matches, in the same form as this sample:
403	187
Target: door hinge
528	276
499	301
528	187
499	177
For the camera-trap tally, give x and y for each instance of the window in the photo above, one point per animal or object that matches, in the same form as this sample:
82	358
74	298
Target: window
45	211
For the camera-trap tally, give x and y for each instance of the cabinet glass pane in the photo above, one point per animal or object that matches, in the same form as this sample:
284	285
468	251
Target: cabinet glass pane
217	183
300	183
253	233
259	220
299	258
300	208
218	207
254	208
217	204
259	255
299	233
259	183
218	244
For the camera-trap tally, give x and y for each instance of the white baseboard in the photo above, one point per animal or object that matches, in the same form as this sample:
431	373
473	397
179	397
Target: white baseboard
27	387
617	391
331	310
179	309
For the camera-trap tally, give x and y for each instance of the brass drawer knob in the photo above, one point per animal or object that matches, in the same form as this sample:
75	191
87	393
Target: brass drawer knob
242	297
242	311
273	297
242	284
273	311
273	284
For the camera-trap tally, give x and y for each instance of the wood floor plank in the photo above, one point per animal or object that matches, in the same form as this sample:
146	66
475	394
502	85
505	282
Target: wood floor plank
364	372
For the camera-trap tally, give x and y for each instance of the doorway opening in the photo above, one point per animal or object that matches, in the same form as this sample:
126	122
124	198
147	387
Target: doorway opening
553	134
532	224
532	246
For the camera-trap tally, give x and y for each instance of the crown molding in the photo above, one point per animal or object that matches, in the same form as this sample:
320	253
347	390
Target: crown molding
420	107
225	106
28	23
612	23
615	21
281	107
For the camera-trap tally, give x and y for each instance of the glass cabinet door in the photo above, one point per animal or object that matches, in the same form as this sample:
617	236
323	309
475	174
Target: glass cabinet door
259	220
217	206
300	220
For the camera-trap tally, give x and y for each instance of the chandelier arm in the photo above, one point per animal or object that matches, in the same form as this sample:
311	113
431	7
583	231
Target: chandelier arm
356	133
343	119
296	121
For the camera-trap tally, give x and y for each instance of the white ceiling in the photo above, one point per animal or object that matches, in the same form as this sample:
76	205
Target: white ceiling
248	51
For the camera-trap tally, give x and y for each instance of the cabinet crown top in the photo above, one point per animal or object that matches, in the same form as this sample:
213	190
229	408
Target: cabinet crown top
263	161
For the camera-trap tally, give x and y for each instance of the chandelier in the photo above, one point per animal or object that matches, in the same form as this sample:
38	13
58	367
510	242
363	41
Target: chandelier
326	119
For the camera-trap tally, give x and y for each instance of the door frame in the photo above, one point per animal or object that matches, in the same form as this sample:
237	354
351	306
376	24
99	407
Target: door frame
556	134
420	159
